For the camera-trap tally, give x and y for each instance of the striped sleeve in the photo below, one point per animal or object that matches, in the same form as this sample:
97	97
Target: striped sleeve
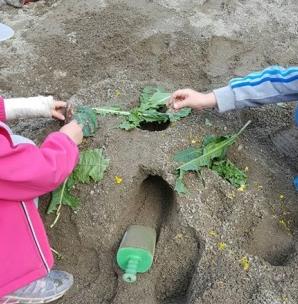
272	85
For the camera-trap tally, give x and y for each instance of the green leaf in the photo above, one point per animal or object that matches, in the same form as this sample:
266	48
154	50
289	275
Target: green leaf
157	100
230	172
188	154
91	167
87	117
180	187
151	94
126	125
63	196
151	109
174	116
213	149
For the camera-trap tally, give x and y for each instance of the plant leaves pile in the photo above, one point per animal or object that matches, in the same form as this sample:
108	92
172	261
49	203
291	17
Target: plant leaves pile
91	167
85	116
211	154
152	103
230	172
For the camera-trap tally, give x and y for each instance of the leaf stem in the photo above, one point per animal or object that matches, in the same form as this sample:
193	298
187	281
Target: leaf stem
111	111
59	255
60	205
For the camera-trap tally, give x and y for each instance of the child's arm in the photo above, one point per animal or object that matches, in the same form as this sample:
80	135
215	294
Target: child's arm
272	85
30	107
28	171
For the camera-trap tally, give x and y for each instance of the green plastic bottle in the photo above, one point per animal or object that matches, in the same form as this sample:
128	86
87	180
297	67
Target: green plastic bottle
136	251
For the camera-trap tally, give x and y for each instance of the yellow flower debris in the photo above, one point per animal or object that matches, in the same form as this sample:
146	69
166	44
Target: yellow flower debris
222	246
231	195
118	180
213	233
245	263
242	188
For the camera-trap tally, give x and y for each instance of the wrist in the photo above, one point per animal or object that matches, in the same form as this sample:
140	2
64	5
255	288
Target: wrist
211	100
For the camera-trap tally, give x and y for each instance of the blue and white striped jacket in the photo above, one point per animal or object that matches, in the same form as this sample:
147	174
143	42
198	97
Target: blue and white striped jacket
272	85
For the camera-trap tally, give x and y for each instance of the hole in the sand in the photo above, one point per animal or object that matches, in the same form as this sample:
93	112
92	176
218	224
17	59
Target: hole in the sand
272	242
177	247
154	126
156	197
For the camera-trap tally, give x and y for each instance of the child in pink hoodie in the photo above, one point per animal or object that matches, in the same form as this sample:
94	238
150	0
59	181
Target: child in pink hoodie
26	172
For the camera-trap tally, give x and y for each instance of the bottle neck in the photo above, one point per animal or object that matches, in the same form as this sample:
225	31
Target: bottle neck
131	270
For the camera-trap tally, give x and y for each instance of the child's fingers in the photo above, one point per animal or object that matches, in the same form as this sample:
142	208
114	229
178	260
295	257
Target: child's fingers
58	115
179	94
59	104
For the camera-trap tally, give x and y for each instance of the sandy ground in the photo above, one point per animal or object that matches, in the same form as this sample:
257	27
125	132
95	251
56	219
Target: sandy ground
102	53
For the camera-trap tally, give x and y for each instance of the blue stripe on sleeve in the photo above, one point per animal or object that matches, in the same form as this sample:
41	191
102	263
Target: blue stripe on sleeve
253	84
269	71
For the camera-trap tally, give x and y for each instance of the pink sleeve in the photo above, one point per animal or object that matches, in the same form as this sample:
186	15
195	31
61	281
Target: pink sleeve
28	171
2	110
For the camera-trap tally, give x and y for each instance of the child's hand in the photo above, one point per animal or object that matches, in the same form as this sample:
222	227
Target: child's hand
74	131
192	99
58	109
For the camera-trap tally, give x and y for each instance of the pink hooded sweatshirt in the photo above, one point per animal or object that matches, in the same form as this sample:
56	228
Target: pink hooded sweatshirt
26	172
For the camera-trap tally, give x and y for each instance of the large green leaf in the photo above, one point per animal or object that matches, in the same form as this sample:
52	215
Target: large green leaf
151	109
91	167
153	95
174	116
213	149
188	154
62	195
87	117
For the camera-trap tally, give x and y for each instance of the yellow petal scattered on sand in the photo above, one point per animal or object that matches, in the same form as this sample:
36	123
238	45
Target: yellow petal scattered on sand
245	263
286	225
258	186
117	93
284	299
118	180
193	141
222	246
231	195
242	188
281	196
179	236
213	233
246	169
